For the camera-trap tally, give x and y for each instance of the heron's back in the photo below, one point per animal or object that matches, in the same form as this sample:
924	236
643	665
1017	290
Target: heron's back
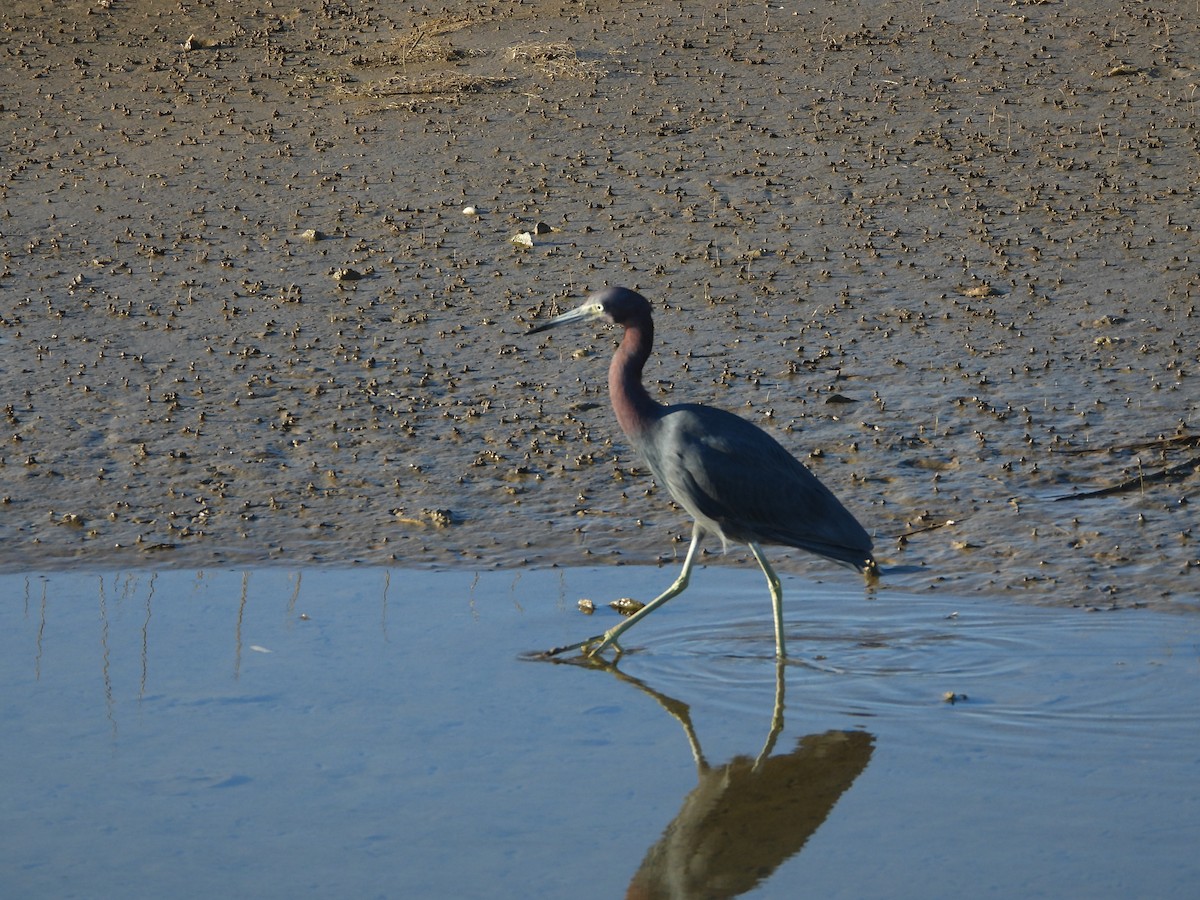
739	482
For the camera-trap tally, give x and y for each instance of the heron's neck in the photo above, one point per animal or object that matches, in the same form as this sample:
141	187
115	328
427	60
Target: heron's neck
633	406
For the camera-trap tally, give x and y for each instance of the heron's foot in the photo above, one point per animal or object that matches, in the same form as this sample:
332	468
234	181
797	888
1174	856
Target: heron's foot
594	651
589	647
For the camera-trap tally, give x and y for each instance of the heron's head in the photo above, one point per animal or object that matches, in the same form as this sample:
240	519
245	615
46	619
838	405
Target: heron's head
618	305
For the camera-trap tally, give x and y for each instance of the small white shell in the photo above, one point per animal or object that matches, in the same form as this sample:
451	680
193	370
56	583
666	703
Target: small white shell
470	211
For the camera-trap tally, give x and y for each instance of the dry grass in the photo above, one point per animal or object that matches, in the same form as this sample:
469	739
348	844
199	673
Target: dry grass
427	47
425	44
556	59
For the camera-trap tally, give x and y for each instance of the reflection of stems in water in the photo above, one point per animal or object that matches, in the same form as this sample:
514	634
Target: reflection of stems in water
146	637
383	605
37	663
237	632
105	672
291	606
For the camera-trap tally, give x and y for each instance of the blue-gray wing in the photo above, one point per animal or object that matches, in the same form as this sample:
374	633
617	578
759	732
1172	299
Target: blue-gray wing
737	480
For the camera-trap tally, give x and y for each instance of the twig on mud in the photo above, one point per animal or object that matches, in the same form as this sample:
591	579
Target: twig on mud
439	83
1171	473
1179	441
934	527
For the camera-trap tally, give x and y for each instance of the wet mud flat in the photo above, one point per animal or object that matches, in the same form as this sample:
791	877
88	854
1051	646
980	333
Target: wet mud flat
948	253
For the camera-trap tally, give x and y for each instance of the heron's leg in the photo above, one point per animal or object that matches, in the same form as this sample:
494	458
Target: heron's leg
776	597
594	645
677	587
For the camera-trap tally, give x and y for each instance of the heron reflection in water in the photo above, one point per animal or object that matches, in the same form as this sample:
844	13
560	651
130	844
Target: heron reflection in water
747	817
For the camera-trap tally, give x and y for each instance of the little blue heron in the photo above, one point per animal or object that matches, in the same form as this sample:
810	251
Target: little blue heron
733	478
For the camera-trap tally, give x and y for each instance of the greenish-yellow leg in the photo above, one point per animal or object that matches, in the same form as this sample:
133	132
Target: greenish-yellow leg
596	645
776	598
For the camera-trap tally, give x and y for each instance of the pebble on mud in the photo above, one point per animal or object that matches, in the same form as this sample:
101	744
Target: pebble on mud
438	518
198	43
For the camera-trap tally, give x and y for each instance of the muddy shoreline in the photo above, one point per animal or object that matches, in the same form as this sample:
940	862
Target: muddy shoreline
949	255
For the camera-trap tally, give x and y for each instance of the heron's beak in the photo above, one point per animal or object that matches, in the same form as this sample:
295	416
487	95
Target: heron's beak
586	313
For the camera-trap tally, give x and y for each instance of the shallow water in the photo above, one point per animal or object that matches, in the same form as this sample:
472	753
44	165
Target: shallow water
370	732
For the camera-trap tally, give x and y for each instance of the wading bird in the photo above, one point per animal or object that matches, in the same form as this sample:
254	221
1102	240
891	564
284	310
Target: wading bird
733	478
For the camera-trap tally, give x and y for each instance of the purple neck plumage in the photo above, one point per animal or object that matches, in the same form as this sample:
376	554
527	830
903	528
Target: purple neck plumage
630	401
